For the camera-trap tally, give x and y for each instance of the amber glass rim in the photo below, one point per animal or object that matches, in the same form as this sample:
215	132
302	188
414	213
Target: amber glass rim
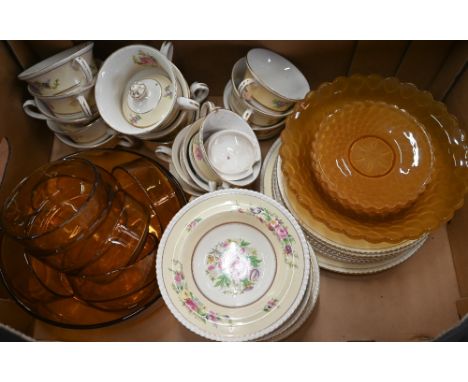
91	194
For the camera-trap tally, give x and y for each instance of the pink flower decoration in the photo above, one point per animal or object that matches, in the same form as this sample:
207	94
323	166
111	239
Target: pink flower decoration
192	305
198	153
178	278
254	274
281	232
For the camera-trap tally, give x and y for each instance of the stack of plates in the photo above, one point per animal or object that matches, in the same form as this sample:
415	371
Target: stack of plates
234	265
335	251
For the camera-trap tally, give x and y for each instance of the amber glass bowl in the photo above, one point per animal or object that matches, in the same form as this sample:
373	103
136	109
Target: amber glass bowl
104	276
372	158
437	197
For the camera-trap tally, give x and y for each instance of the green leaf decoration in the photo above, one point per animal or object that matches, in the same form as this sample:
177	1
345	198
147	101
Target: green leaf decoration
244	243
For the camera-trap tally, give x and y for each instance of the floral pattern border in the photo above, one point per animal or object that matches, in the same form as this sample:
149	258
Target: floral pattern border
276	225
190	301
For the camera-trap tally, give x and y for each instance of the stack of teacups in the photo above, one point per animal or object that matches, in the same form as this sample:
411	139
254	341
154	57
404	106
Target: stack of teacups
141	93
63	90
219	150
83	235
263	89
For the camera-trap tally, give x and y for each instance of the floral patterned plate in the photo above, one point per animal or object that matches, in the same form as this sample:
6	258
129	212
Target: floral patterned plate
233	265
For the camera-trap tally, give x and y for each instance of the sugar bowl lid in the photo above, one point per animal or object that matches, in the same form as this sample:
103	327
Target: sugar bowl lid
148	98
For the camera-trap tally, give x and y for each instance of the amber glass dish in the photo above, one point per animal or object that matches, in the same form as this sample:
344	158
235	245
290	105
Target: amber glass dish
371	157
436	199
92	296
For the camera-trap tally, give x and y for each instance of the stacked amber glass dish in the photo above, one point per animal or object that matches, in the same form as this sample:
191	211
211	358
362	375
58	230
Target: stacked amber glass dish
81	239
370	166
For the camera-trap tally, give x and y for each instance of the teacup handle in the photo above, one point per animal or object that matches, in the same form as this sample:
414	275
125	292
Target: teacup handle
247	114
126	141
243	86
212	185
167	49
164	153
84	105
85	68
199	91
207	108
27	109
188	104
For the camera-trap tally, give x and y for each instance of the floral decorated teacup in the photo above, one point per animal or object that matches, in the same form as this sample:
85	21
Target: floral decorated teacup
91	132
272	80
137	91
62	73
79	103
200	160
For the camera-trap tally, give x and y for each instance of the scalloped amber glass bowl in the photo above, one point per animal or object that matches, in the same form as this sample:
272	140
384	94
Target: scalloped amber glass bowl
449	178
372	157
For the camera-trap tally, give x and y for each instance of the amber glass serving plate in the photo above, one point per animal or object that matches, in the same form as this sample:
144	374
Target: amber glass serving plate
432	193
80	302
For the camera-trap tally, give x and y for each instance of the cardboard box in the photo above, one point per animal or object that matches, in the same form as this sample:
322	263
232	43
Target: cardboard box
417	300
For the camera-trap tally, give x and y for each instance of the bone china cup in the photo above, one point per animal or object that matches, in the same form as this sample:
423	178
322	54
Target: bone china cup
128	78
63	72
79	103
81	134
272	80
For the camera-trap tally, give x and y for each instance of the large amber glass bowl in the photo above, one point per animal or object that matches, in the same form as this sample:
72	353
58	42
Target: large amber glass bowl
365	151
435	204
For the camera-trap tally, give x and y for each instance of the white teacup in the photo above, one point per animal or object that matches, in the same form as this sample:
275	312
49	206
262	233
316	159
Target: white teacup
127	79
37	109
217	120
63	72
77	104
233	154
110	140
272	80
91	132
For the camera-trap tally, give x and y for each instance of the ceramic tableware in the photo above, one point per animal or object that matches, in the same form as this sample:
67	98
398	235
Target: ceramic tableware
200	181
272	80
143	80
110	139
233	265
200	162
233	153
223	120
198	92
173	156
250	109
91	132
77	103
62	73
35	108
262	132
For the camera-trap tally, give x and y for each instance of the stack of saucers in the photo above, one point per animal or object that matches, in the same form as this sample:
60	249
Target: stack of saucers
63	90
263	89
335	251
218	150
141	93
234	265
